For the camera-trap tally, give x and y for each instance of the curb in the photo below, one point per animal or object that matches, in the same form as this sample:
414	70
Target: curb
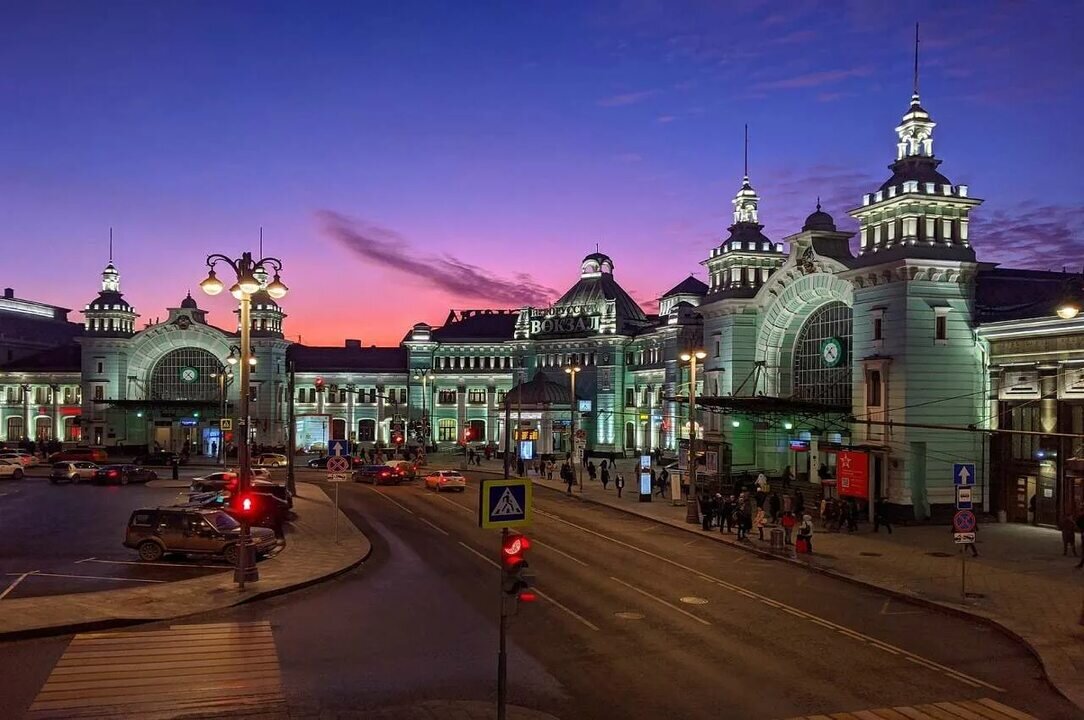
115	623
890	592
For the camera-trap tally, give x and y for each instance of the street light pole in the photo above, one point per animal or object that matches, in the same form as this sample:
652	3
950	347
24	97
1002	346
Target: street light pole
692	511
572	372
251	278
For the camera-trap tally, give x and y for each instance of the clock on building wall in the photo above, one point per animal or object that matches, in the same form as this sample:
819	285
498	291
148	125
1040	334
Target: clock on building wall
189	374
832	351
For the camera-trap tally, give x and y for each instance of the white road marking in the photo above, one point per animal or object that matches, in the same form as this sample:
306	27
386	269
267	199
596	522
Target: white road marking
394	502
861	637
538	592
658	599
96	577
884	610
573	558
438	528
151	564
15	583
438	496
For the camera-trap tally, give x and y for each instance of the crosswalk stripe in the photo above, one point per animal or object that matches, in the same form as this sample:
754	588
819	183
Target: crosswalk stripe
216	667
979	709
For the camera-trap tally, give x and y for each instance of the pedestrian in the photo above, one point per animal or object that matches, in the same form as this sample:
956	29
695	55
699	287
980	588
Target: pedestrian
880	517
550	465
788	522
520	467
759	521
762	483
664	480
787	477
604	475
176	469
214	449
1068	535
719	502
602	465
774	505
799	502
726	514
619	483
745	517
568	476
705	512
1080	527
805	535
660	486
591	470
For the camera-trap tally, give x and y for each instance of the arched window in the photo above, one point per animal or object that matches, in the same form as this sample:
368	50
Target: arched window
338	429
446	430
366	430
186	374
822	356
630	436
15	429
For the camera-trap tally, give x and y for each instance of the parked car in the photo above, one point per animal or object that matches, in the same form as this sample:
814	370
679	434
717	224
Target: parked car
11	469
377	475
321	462
73	472
270	460
24	458
153	532
445	480
225	480
160	458
122	475
95	455
270	510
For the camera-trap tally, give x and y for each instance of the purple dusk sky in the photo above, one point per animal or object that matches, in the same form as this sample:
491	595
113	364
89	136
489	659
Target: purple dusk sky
406	157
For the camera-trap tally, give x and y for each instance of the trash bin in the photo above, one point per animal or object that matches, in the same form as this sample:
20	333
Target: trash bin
777	540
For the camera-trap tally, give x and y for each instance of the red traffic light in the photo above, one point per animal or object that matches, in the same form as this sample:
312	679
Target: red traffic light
527	596
246	503
319	382
514	544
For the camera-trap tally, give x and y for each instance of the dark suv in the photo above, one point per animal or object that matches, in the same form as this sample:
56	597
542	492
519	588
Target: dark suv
189	531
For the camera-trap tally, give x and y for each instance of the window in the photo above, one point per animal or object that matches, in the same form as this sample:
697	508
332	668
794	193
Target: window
873	389
446	429
366	430
822	356
312	395
630	397
1025	417
446	397
475	431
402	395
99	392
501	395
253	393
717	348
476	396
878	328
101	367
941	328
16	429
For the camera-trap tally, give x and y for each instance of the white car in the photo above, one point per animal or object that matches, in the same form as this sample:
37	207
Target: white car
270	460
22	456
445	480
74	471
11	469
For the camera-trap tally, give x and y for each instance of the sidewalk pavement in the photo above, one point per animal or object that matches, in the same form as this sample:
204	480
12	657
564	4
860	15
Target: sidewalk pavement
310	555
1020	581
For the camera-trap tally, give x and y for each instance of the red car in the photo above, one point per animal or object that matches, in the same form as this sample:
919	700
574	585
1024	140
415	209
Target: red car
378	475
89	454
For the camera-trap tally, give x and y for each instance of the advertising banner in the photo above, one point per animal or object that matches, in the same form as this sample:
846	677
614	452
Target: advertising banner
852	471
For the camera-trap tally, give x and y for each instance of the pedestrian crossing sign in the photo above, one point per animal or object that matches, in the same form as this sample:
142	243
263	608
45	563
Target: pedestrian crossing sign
504	503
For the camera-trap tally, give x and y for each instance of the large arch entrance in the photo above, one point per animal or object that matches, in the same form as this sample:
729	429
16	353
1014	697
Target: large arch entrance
184	402
822	356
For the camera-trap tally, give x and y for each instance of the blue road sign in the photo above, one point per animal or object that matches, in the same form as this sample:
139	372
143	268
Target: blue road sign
336	448
505	503
964	521
963	497
963	474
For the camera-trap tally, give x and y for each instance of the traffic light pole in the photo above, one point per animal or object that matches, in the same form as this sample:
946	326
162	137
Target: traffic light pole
502	656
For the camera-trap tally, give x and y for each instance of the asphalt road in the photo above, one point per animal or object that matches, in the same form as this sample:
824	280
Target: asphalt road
67	538
637	620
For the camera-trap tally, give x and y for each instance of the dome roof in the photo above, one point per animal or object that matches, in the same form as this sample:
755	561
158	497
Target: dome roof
109	300
262	298
919	168
189	303
540	390
819	220
595	263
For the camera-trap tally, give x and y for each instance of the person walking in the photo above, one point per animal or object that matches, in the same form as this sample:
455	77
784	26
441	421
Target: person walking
1068	535
805	535
619	483
705	512
787	477
880	517
604	475
550	465
659	483
774	506
664	480
568	476
726	515
799	503
591	470
759	521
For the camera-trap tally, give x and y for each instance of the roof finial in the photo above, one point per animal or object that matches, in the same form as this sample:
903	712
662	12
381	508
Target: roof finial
261	241
110	244
747	150
596	247
818	203
916	61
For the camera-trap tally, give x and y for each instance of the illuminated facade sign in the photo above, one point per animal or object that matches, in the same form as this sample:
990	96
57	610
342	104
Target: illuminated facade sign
566	320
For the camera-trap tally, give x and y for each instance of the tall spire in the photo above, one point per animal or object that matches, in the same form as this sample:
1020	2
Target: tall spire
915	90
746	201
746	151
110	244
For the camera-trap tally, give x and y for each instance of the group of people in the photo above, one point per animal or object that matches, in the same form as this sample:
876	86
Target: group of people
756	507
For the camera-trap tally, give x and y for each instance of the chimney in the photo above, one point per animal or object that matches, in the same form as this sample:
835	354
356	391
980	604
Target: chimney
351	343
9	293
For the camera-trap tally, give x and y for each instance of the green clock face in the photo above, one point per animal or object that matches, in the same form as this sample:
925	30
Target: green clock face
832	352
189	374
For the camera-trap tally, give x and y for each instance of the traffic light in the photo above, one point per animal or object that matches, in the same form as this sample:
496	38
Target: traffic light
517	579
244	505
319	383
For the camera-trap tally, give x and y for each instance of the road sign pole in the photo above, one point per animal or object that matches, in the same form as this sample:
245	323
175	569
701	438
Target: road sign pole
963	572
502	656
337	512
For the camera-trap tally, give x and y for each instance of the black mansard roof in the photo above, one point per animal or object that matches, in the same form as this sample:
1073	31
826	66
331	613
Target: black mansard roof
64	358
1016	294
481	325
350	358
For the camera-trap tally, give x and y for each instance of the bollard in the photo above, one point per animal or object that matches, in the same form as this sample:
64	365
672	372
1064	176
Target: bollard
777	540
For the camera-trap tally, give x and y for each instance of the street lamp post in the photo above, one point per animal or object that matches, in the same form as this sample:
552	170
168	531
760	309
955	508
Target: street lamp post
251	276
224	377
692	512
572	372
423	375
